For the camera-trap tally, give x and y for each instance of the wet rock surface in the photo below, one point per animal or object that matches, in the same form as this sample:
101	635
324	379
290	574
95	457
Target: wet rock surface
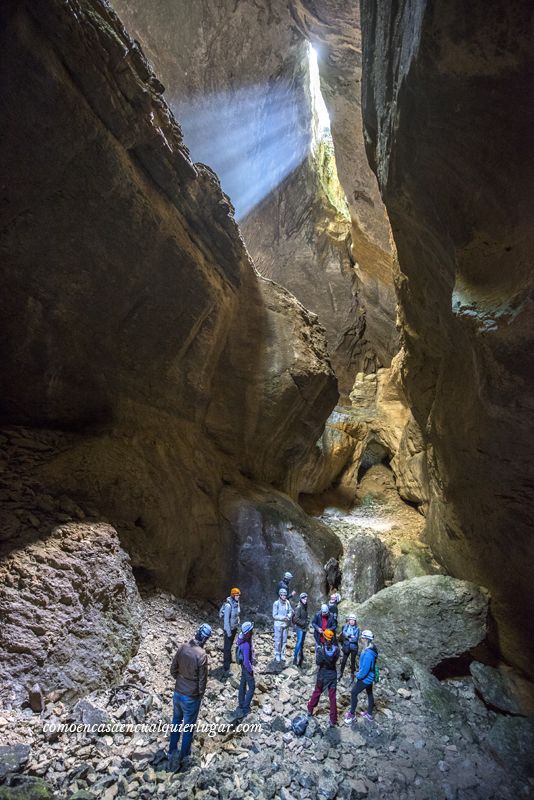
270	534
429	739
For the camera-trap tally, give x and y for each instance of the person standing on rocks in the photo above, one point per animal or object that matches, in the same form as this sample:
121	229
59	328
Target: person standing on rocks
349	638
284	584
189	669
333	603
321	621
245	656
301	620
282	613
230	615
326	658
365	678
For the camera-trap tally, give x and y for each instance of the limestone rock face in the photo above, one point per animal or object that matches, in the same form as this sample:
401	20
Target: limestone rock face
376	426
131	312
444	99
366	566
333	26
436	617
70	611
269	535
237	75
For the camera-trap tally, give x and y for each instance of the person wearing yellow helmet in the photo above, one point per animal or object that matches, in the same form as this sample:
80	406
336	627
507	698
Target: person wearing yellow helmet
326	658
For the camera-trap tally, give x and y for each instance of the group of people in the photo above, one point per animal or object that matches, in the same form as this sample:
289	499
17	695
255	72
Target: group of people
332	647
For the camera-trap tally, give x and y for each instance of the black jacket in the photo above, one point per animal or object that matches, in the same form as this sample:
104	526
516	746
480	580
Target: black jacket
300	616
326	659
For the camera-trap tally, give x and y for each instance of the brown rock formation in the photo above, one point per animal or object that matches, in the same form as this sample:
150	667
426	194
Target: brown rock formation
448	117
333	26
237	74
131	312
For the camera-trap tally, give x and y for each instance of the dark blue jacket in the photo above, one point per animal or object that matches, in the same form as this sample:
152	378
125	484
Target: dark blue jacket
316	624
366	672
350	636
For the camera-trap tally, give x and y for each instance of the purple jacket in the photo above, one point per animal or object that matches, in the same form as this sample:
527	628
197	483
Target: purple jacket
247	650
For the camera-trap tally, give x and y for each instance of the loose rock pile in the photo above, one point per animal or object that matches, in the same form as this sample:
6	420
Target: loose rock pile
428	740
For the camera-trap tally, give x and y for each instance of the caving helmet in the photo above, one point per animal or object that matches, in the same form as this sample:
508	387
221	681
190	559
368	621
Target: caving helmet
203	633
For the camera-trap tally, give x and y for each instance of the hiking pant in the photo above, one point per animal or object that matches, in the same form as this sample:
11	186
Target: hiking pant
228	642
298	655
247	688
185	712
344	660
314	699
280	639
356	689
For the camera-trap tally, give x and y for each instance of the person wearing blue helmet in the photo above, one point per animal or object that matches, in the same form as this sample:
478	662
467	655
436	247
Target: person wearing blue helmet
245	657
189	669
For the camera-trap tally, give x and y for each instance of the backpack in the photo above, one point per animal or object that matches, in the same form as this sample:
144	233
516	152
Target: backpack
221	610
239	655
299	724
377	671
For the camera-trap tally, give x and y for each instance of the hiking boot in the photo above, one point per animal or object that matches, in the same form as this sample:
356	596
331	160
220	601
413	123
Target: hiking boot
349	718
173	764
366	715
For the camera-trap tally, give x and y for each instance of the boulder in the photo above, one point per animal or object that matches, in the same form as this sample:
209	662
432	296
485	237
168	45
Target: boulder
511	741
503	689
415	561
13	758
427	619
70	610
366	566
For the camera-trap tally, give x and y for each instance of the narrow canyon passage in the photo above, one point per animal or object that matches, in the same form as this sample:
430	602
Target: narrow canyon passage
267	307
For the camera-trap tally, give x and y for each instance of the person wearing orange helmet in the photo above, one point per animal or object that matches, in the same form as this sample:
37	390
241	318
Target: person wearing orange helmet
326	658
229	614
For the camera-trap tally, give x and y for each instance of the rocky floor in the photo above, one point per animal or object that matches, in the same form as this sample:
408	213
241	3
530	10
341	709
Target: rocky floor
422	744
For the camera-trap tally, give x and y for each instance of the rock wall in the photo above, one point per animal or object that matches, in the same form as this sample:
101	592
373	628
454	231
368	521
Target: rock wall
131	313
333	26
447	102
237	75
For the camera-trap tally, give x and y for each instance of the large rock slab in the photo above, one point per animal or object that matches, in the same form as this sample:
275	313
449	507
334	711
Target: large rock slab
267	535
70	611
503	689
366	566
427	619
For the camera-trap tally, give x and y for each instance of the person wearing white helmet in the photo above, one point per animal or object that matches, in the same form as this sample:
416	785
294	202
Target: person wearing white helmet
322	620
349	638
284	584
282	613
365	677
